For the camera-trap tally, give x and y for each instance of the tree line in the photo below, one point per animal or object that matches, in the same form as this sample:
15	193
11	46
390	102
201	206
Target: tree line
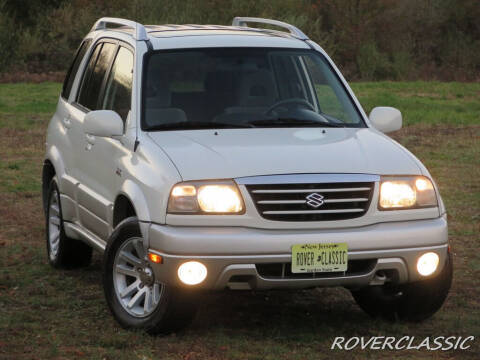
368	39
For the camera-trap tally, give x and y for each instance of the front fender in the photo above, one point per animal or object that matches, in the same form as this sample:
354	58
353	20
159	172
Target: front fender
133	192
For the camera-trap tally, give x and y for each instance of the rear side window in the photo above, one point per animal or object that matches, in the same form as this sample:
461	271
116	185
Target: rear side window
94	75
118	90
72	71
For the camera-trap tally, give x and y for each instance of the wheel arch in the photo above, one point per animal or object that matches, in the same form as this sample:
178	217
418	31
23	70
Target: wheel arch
52	166
122	208
48	172
130	195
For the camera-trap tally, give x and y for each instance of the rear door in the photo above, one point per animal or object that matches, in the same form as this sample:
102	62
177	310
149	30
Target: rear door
64	124
92	208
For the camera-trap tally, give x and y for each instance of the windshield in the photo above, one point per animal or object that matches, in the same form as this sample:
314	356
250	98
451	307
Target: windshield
243	88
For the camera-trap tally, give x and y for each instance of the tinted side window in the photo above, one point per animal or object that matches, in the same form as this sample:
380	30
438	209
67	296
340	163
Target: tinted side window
82	94
72	71
118	91
94	75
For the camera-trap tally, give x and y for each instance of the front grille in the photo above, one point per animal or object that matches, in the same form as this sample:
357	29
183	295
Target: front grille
312	202
284	270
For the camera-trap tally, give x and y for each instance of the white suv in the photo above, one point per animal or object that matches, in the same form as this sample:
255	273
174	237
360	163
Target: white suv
228	157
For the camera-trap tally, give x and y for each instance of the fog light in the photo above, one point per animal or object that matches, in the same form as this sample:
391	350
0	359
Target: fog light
427	263
192	272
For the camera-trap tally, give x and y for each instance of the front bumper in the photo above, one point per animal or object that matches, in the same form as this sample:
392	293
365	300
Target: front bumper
237	257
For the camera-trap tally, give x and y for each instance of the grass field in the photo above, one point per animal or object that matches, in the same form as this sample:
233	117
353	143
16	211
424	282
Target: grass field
52	314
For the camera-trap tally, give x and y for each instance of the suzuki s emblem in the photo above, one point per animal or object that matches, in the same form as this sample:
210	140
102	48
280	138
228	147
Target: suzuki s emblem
315	200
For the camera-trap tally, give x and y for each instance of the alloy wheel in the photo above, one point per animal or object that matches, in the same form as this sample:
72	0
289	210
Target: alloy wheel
134	280
54	226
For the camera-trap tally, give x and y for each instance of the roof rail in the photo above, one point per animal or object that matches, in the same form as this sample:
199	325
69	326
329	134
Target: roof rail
242	21
140	31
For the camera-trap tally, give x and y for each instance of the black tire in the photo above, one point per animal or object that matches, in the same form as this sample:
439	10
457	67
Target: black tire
69	253
176	307
413	302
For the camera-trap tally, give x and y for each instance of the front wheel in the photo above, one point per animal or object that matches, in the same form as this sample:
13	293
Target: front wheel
135	299
414	301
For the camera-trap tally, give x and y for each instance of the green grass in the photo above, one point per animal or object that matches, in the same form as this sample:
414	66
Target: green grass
57	314
421	102
23	106
22	98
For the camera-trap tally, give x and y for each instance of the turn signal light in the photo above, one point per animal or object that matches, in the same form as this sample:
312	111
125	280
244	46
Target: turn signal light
157	259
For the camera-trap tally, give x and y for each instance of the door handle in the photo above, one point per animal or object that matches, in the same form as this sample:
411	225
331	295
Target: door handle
90	141
67	122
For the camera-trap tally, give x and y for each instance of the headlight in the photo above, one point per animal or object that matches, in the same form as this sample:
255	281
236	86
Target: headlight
406	192
200	197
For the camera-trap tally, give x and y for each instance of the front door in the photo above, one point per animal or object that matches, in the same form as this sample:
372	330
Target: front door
92	204
101	169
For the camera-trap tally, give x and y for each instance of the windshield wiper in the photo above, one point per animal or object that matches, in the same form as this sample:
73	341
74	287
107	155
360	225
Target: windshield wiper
292	122
332	118
273	122
190	125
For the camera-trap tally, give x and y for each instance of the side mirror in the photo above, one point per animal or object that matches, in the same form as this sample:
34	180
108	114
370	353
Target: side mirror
103	123
386	119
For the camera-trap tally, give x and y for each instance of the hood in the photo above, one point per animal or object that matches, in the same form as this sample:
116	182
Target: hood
232	153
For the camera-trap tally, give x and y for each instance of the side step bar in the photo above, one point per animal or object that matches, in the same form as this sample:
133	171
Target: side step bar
76	232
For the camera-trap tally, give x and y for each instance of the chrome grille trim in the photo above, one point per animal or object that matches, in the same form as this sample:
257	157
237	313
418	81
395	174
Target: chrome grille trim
315	211
262	191
344	197
281	202
303	201
346	200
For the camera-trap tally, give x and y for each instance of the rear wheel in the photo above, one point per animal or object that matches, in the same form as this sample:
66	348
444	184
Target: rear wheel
135	299
62	251
414	301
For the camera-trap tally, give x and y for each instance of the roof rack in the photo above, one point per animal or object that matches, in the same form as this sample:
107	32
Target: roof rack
242	21
139	34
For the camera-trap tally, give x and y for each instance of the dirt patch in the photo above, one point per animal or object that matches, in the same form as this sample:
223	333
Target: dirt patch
439	130
436	96
424	95
11	137
421	135
22	76
21	219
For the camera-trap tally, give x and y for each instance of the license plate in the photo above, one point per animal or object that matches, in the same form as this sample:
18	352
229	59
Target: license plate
307	258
